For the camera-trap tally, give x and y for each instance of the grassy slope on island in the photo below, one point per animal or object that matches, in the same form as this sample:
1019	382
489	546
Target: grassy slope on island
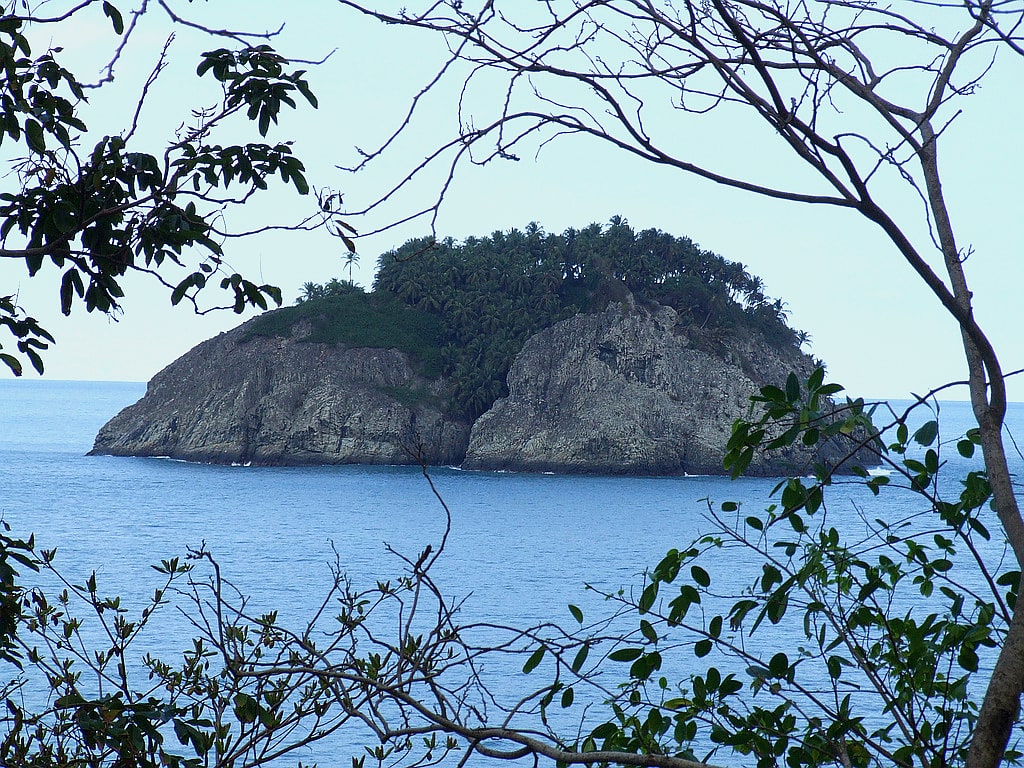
358	319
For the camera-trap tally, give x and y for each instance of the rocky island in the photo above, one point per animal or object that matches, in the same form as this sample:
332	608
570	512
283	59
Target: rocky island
595	351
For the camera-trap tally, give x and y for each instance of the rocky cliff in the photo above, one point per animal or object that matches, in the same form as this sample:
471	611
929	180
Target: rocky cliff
629	391
241	398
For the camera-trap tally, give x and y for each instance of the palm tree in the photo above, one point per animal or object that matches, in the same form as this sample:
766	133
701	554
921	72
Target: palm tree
351	259
310	290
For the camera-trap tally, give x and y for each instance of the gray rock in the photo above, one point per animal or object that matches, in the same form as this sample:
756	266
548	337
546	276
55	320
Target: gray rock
239	398
627	391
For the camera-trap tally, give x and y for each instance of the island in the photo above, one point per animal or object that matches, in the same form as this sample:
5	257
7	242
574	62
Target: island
600	350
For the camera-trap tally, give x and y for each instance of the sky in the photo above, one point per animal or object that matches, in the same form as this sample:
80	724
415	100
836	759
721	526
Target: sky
870	318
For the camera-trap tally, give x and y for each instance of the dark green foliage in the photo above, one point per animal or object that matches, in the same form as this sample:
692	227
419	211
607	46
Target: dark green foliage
14	555
491	294
333	287
357	319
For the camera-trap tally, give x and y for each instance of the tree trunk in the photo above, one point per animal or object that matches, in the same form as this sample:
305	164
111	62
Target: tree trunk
1001	705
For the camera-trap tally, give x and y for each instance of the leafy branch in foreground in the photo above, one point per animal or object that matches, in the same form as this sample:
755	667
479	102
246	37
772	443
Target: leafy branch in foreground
96	210
860	640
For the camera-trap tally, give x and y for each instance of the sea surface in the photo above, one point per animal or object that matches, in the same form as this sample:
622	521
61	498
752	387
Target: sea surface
522	547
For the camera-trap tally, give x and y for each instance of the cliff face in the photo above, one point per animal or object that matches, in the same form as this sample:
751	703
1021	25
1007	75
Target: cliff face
625	391
241	398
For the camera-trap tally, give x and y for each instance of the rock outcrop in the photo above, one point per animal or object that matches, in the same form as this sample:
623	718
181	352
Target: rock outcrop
628	391
241	398
624	391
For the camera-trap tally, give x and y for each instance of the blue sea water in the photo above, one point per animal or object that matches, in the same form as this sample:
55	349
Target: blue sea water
521	547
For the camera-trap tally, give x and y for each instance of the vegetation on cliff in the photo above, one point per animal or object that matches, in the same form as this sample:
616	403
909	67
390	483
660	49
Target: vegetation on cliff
466	308
343	313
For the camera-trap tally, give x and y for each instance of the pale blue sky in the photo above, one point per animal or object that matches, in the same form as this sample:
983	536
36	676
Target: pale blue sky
869	316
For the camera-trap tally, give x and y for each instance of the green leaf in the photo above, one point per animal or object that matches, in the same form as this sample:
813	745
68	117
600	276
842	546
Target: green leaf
835	667
11	362
642	668
576	613
34	136
64	218
567	697
246	708
626	654
700	576
268	717
70	285
792	388
702	648
647	597
534	660
302	187
776	607
648	631
35	359
779	665
968	658
580	658
179	291
738	461
115	17
815	380
1008	579
770	577
927	433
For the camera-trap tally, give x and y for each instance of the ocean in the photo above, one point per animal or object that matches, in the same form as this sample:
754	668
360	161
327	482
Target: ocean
522	547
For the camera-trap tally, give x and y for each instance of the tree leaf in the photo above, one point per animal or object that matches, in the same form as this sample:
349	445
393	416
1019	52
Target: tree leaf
534	660
35	137
927	433
647	597
700	576
115	17
567	697
792	388
11	362
648	631
580	658
626	654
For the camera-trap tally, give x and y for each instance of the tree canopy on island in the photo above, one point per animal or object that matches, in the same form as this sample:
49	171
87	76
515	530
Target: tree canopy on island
490	294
